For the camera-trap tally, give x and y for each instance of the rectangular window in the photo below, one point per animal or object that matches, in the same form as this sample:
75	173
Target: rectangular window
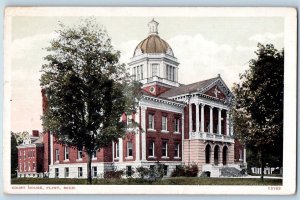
164	149
151	148
94	171
165	170
57	154
164	123
66	153
128	170
138	73
129	149
79	171
56	172
177	125
134	73
66	172
79	154
94	154
154	70
141	71
117	150
33	166
28	165
176	150
151	121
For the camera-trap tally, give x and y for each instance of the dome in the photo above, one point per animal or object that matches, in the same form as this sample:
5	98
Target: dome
153	43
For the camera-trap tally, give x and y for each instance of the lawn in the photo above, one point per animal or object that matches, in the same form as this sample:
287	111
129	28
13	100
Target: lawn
168	181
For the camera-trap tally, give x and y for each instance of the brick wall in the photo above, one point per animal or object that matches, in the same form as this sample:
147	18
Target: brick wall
158	135
46	162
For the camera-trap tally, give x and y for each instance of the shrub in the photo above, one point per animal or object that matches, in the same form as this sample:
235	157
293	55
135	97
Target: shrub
188	171
191	170
143	171
113	174
179	171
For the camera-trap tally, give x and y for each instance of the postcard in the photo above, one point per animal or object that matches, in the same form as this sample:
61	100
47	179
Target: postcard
150	100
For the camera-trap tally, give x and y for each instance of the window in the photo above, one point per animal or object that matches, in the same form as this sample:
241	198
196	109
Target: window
141	66
94	171
79	154
177	125
33	166
128	170
134	73
129	149
57	154
176	150
164	123
24	154
28	165
165	170
66	153
94	155
138	73
117	150
151	121
151	148
170	72
154	69
56	172
164	149
79	171
66	172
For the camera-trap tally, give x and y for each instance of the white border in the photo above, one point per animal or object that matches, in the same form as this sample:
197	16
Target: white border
290	42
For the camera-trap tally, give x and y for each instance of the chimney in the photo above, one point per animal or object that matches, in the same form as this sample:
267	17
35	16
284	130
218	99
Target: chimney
35	133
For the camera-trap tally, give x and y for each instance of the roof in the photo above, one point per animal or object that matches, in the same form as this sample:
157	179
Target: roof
153	44
184	89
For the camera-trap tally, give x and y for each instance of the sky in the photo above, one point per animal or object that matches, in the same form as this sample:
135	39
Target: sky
204	47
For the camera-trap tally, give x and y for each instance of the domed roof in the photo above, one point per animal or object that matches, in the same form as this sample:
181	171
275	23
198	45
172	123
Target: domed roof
153	43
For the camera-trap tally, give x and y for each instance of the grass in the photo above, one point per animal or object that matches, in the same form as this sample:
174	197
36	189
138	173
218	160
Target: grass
168	181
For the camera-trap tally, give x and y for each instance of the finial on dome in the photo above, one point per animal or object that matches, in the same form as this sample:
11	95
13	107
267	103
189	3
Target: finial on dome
153	26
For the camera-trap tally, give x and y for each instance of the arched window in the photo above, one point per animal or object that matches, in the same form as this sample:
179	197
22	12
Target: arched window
225	152
216	155
207	154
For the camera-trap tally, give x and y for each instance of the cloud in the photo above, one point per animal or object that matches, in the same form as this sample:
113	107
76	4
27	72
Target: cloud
266	37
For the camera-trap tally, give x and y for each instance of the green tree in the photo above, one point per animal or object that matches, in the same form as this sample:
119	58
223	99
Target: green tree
13	153
87	89
258	112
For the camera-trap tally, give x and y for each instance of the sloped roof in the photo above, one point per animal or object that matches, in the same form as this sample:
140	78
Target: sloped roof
190	88
39	140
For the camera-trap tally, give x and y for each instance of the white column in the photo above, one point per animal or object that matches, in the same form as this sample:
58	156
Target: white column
190	117
197	117
219	121
51	148
137	146
245	155
120	150
202	118
143	120
211	124
227	123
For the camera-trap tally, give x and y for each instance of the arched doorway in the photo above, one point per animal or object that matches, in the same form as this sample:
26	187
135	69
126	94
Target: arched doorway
207	154
216	155
225	151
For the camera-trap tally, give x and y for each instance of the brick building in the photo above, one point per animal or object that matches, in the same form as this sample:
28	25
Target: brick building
179	124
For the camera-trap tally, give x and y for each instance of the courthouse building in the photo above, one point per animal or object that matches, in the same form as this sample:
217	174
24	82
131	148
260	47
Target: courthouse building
178	124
